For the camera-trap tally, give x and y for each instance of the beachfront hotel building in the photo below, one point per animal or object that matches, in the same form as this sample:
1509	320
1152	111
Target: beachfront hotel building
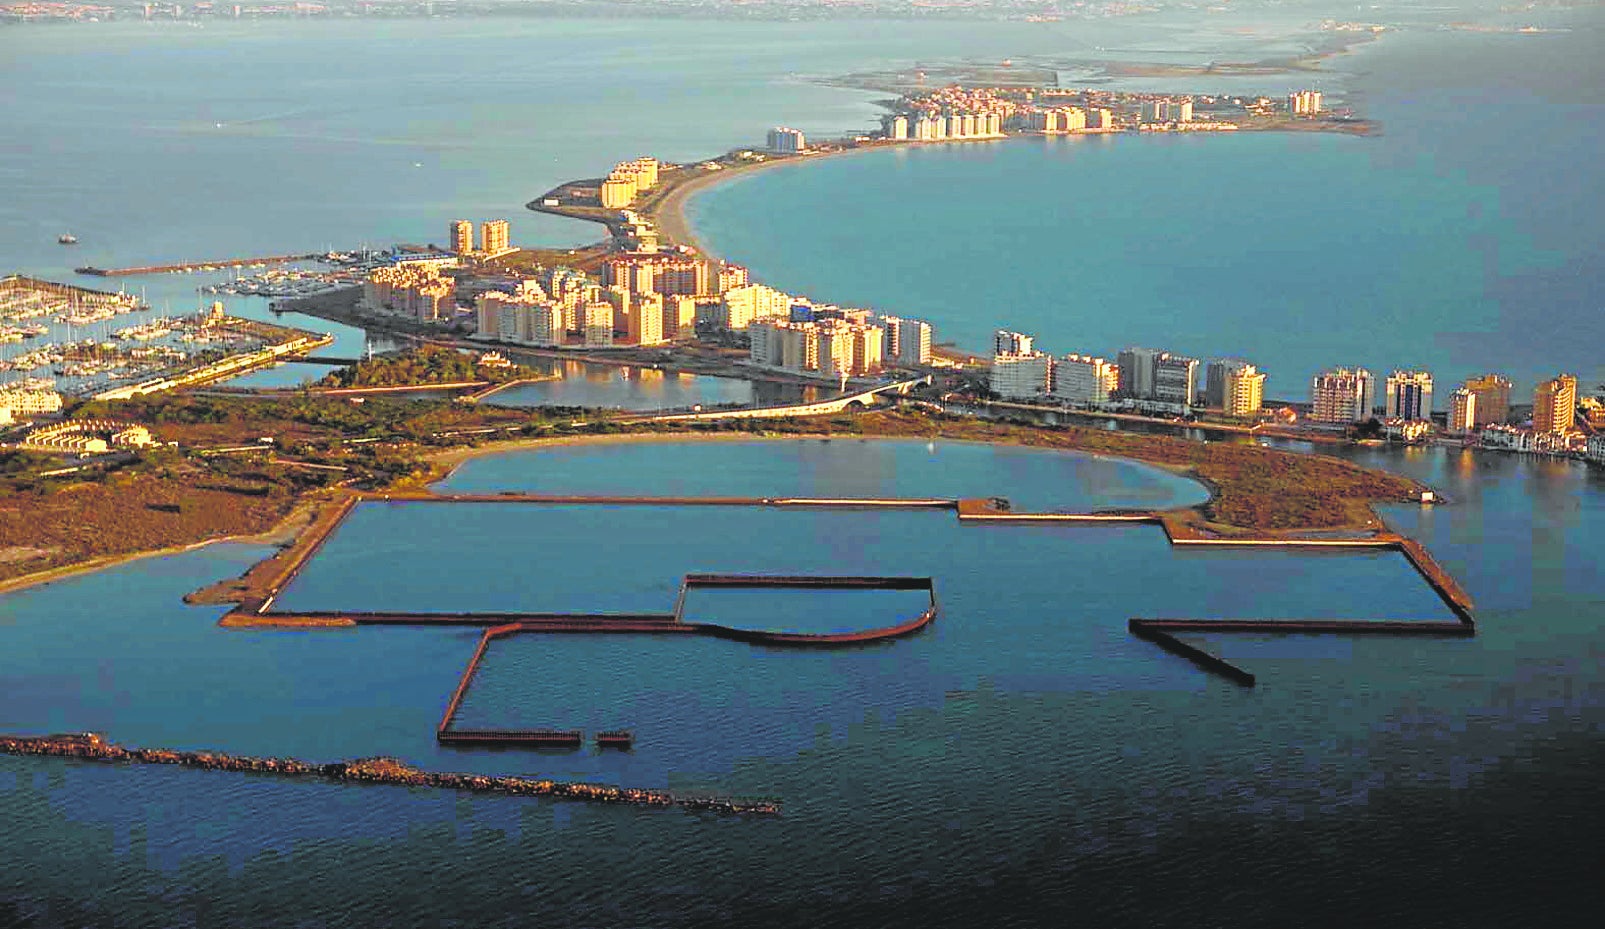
786	140
1100	118
1342	395
1408	395
1084	379
1555	405
1493	398
896	128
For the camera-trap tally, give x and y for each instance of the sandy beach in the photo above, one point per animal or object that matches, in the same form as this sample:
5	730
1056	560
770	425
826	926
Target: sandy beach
668	213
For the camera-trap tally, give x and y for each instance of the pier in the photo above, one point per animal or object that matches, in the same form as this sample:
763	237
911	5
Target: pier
254	594
189	266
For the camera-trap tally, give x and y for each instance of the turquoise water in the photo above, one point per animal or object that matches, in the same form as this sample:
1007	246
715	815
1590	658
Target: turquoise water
1033	479
1461	239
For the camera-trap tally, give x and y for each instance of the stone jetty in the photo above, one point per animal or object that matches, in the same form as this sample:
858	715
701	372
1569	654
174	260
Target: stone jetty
92	746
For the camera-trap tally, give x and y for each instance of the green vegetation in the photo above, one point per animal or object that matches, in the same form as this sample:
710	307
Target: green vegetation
427	364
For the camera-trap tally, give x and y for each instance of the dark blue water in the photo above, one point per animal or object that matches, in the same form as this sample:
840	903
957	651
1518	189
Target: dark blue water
1024	748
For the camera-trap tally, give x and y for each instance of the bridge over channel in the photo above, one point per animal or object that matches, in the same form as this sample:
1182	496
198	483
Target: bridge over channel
861	399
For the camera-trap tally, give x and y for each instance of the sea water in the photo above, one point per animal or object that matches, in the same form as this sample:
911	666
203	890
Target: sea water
968	775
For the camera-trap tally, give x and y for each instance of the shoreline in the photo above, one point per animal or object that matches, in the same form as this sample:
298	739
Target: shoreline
282	533
444	463
668	213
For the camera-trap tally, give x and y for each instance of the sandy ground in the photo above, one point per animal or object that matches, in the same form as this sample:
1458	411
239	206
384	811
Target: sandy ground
281	534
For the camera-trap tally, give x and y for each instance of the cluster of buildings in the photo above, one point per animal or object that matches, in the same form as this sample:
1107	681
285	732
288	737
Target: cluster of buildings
27	399
560	307
1160	382
85	437
651	298
1144	379
828	341
413	288
1304	103
493	239
1071	119
627	180
943	127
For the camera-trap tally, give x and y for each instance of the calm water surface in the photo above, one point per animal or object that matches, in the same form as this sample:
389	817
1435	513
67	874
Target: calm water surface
1024	760
1024	749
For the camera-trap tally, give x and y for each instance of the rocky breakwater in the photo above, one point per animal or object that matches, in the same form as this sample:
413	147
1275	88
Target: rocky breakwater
94	747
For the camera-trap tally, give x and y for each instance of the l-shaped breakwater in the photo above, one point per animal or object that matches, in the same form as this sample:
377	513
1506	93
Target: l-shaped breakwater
92	746
254	594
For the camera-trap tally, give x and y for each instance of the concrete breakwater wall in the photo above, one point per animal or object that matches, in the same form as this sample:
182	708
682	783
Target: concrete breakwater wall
93	747
447	734
255	594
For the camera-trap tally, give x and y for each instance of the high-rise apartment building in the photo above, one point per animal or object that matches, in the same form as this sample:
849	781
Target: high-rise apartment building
1020	376
1215	380
1342	395
1304	103
1408	395
1149	374
913	342
897	128
1493	398
1100	118
1084	379
786	140
679	316
1555	405
1005	342
644	325
740	306
595	324
493	237
1182	111
461	236
1463	410
1244	391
